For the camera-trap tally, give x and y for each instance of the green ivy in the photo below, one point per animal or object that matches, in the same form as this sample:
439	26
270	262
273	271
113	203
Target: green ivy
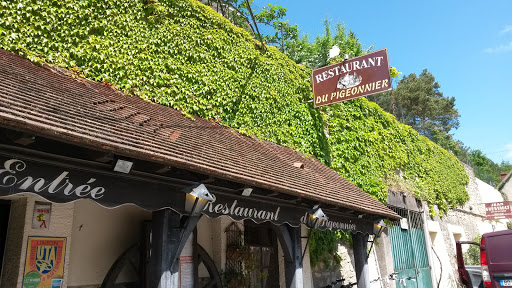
369	145
176	53
182	54
323	247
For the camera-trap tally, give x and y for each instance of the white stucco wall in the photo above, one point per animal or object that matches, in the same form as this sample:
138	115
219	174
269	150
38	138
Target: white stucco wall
204	238
489	194
463	223
100	235
306	265
441	270
507	190
376	280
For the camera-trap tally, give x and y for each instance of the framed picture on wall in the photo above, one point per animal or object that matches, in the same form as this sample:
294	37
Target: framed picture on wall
44	261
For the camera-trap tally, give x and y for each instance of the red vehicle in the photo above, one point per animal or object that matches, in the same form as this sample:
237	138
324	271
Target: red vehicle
495	259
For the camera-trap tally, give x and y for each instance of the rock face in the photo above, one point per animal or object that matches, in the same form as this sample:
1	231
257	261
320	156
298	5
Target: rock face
464	223
323	276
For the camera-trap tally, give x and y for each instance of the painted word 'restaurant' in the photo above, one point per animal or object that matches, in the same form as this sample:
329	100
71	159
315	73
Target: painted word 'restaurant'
59	184
348	67
244	212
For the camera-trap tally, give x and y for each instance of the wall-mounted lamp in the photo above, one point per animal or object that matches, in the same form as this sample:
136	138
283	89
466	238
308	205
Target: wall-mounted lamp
196	199
378	227
123	165
315	218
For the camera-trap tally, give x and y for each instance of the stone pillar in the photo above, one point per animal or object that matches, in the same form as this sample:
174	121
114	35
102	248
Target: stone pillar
361	260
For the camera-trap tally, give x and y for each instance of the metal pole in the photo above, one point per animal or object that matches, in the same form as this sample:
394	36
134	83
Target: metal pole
305	248
412	247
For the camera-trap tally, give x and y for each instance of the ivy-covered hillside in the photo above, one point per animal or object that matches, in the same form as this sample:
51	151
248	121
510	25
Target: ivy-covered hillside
182	54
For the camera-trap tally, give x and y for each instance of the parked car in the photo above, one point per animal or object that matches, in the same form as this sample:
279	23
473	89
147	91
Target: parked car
495	260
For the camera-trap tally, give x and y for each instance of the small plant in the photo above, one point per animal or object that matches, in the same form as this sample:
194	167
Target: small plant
243	254
236	279
324	245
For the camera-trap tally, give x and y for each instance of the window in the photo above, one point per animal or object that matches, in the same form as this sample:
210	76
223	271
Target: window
263	244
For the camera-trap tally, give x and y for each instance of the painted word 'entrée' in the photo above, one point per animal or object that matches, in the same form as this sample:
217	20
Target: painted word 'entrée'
59	184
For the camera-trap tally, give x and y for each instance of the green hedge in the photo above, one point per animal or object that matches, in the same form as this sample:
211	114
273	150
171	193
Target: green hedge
182	54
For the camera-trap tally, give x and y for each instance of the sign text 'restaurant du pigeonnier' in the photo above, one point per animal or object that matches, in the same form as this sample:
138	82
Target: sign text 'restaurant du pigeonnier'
354	78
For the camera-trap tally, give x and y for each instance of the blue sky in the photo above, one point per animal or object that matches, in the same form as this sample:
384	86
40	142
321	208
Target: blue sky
467	45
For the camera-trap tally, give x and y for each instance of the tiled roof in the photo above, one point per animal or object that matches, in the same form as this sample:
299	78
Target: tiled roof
504	181
76	110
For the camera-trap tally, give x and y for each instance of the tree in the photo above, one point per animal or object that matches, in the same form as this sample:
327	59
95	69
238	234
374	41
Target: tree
239	12
487	170
472	255
284	32
505	167
418	102
316	54
456	147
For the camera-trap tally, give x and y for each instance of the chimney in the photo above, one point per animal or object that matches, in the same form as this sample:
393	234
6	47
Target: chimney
503	175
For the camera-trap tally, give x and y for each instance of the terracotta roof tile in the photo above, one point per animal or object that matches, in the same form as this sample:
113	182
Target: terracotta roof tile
77	110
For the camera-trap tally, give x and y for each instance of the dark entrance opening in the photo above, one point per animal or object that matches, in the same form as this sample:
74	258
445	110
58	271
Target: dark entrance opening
5	208
263	244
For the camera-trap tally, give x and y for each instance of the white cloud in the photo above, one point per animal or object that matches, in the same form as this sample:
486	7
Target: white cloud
500	49
507	29
508	151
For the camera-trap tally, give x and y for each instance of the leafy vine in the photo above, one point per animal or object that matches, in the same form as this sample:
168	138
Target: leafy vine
182	54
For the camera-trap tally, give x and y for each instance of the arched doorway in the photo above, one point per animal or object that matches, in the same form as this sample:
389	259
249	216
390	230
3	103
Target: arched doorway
129	263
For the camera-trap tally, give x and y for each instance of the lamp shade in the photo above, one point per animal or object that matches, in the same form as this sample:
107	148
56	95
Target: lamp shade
378	227
197	198
316	218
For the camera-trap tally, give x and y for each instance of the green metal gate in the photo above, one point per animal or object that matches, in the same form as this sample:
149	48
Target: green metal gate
409	249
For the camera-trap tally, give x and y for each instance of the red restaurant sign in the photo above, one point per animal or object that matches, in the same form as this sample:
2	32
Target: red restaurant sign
498	210
354	78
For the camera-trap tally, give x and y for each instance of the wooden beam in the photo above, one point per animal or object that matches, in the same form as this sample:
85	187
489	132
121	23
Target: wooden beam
291	243
26	140
104	157
163	169
186	230
169	237
210	179
165	227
